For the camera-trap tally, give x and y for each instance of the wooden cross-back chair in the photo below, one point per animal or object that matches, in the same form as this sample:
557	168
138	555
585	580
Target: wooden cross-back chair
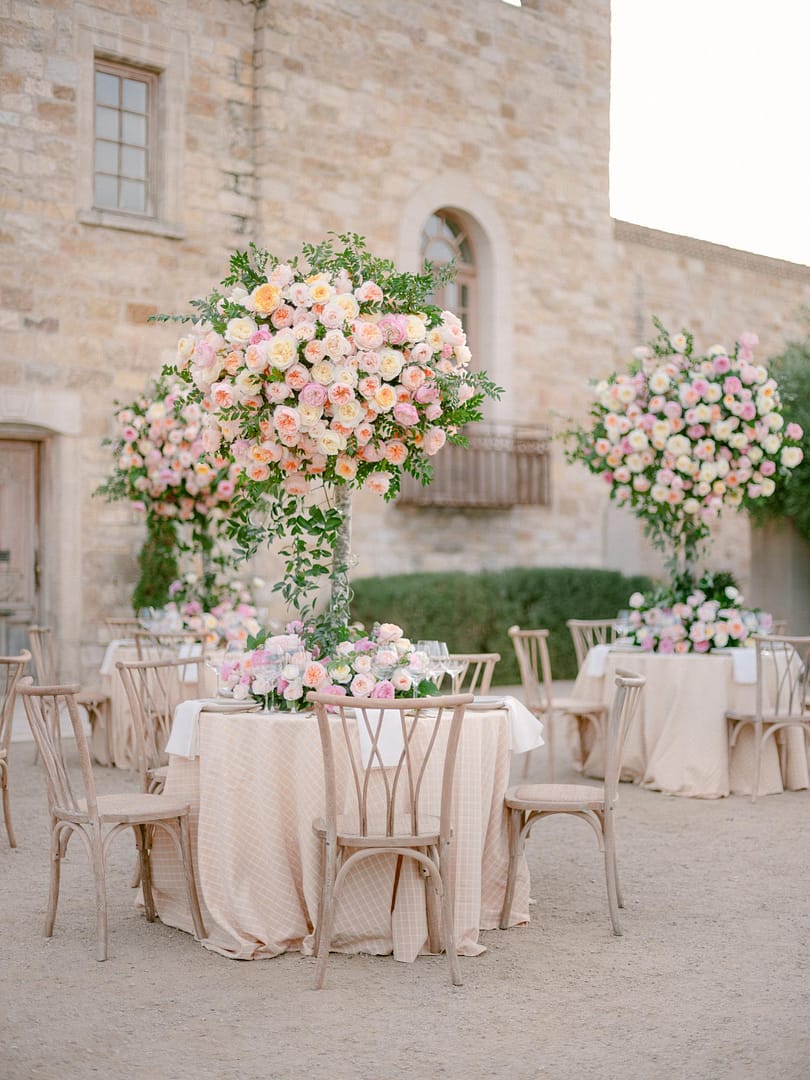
783	686
386	809
529	803
95	702
531	650
87	815
154	688
11	671
123	627
476	676
157	645
586	633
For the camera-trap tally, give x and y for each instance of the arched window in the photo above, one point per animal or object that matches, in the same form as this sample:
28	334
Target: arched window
446	238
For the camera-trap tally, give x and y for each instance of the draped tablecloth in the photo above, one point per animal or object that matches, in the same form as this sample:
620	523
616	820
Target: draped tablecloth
679	740
254	792
122	731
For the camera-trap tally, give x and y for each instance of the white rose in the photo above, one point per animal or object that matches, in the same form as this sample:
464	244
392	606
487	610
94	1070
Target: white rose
240	331
691	506
791	456
331	443
659	493
774	421
638	440
240	692
755	454
626	393
767	485
771	443
678	342
636	600
659	382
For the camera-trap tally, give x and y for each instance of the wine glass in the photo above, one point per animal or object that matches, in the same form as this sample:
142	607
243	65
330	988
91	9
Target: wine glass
623	627
434	663
455	668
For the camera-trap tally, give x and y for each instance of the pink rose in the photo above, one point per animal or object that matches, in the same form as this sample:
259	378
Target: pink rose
406	414
394	329
793	431
721	364
383	691
313	394
426	393
767	468
434	440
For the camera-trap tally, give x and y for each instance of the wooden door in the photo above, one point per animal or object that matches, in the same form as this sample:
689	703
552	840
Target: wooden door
19	541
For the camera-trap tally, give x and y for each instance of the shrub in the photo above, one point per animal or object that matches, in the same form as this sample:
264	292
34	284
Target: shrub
158	563
473	612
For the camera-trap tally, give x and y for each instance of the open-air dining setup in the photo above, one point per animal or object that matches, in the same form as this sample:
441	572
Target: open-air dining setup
404	544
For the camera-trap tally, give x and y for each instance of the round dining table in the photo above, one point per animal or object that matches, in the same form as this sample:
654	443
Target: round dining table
679	740
255	785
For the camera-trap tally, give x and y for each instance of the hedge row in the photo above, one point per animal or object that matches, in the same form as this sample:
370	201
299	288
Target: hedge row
472	612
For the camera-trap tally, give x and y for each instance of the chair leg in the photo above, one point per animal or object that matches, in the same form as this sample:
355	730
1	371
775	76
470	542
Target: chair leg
12	839
99	873
515	847
610	871
616	877
191	885
316	942
549	732
142	839
53	889
433	905
328	912
448	930
757	760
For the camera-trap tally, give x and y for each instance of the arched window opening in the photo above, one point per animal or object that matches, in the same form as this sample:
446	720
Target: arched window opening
445	239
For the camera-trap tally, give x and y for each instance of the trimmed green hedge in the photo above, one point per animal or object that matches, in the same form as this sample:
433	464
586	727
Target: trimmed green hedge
472	612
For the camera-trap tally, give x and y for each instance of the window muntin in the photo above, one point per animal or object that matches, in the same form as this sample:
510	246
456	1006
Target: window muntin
124	139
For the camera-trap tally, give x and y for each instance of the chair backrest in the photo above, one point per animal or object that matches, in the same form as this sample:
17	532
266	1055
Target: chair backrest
531	650
783	677
476	677
623	709
387	753
125	627
154	645
589	632
11	669
40	638
41	704
154	688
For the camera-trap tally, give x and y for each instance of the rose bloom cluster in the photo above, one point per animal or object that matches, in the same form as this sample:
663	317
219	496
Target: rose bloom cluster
162	456
311	378
282	670
684	436
694	623
232	618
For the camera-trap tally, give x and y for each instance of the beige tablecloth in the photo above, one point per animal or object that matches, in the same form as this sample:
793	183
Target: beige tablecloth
254	792
679	741
122	734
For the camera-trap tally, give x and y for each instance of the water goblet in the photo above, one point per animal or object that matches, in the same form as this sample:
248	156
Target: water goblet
455	668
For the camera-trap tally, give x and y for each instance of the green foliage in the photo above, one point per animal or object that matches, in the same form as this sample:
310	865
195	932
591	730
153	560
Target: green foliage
473	612
792	498
158	563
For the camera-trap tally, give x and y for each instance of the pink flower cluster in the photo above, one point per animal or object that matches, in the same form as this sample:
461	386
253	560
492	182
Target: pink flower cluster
695	623
161	456
683	436
311	377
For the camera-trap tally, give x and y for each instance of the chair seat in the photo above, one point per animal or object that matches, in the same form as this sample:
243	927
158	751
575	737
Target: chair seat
348	833
135	805
555	796
94	696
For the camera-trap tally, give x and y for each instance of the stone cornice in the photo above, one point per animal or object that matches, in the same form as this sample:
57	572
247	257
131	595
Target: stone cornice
702	249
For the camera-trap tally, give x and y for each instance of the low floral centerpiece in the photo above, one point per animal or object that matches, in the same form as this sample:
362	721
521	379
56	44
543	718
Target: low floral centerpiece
215	606
688	616
678	438
280	670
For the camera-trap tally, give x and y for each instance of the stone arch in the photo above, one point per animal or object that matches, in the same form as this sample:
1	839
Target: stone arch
455	191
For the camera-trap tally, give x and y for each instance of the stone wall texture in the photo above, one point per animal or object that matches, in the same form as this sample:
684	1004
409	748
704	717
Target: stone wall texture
280	121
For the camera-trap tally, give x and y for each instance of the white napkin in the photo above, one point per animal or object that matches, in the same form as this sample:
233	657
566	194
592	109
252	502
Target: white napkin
187	650
108	663
745	665
185	737
596	660
525	729
389	742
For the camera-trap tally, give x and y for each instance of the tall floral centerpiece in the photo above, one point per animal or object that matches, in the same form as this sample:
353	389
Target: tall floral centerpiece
677	438
315	377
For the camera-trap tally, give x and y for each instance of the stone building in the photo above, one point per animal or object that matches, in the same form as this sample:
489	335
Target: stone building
143	140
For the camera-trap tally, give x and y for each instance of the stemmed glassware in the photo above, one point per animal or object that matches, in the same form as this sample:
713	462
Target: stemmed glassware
454	668
433	656
623	627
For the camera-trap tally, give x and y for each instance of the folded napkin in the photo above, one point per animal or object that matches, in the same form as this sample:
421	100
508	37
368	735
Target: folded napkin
596	660
745	665
389	743
185	737
525	729
108	663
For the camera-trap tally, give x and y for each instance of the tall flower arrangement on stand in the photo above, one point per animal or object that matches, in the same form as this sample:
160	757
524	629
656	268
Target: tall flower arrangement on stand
681	435
317	378
678	438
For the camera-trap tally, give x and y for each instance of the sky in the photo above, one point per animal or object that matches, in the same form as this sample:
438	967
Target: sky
710	111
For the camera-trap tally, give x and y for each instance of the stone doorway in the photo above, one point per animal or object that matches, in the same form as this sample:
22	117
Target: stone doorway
20	567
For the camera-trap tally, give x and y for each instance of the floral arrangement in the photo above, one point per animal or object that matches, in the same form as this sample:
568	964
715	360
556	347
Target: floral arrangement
212	605
681	435
314	380
161	463
690	616
279	671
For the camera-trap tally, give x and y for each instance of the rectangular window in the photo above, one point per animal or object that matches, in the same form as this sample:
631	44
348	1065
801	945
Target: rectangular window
125	101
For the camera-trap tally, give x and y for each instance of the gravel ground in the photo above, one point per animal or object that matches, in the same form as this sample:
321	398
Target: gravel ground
711	980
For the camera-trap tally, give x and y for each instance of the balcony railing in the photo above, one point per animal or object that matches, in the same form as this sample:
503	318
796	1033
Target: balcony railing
501	467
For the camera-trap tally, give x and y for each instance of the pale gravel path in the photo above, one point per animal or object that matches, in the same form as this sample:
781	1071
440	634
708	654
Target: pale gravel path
711	980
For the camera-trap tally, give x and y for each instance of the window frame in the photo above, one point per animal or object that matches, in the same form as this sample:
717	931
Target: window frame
151	79
467	275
